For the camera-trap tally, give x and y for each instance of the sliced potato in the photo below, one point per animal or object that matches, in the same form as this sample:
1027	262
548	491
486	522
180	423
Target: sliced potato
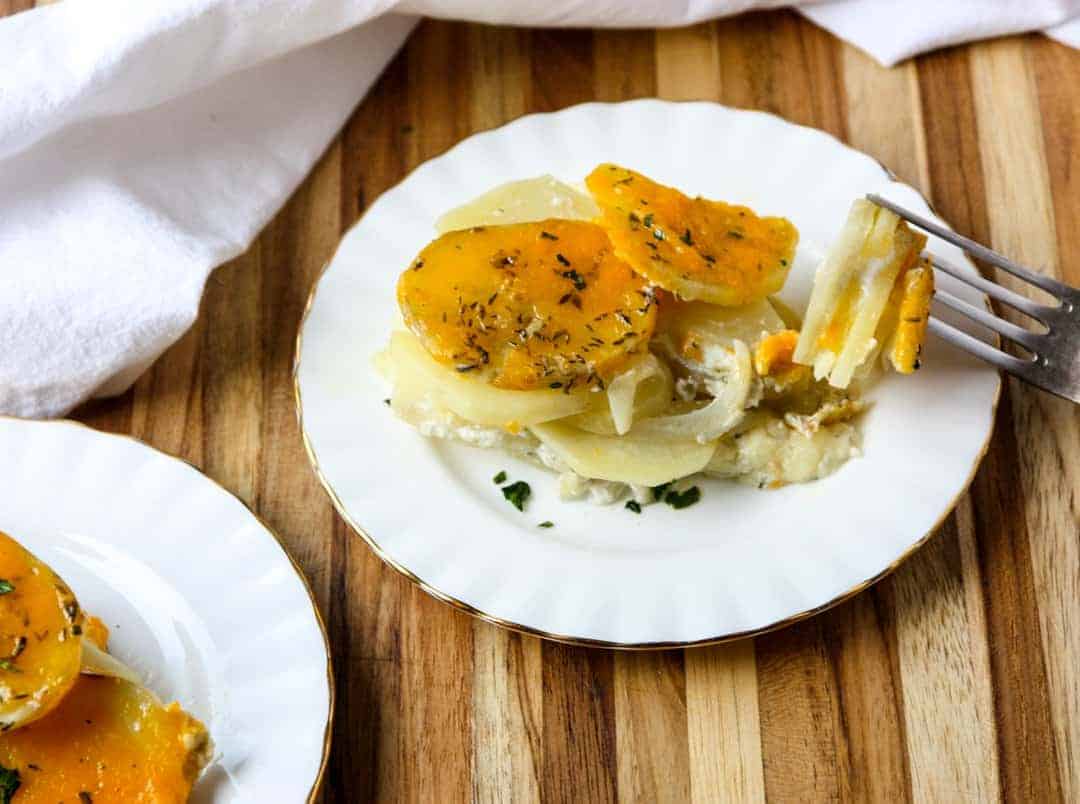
521	202
851	290
109	739
417	378
693	247
625	459
528	306
41	627
903	328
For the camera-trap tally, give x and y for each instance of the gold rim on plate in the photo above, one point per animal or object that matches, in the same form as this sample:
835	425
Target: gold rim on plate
462	606
328	729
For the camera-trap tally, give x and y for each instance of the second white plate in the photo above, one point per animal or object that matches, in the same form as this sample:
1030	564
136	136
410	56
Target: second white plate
740	561
200	598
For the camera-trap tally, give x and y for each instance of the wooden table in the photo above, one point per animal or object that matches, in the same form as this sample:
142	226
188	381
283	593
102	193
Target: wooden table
955	679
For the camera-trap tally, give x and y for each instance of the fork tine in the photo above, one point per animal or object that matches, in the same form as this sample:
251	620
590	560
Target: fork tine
1025	337
972	345
992	289
977	250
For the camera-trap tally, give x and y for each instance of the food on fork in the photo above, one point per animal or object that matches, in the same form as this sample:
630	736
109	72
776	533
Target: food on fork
76	723
631	340
872	288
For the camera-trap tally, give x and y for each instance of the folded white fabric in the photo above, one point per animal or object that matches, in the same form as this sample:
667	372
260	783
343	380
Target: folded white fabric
143	144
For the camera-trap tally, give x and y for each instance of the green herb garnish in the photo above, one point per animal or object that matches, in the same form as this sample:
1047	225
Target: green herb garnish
517	493
686	238
85	798
546	524
9	784
499	478
549	236
6	587
634	506
683	499
8	665
736	235
659	491
648	219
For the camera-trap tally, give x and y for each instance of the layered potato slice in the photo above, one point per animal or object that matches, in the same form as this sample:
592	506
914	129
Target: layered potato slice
907	316
528	306
421	385
521	201
41	630
874	254
696	248
110	740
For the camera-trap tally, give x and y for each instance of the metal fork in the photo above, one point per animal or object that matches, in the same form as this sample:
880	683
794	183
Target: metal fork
1055	362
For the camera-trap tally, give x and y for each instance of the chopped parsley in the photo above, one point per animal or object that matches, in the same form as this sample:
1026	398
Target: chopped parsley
517	494
85	798
546	524
634	506
8	665
658	233
549	236
736	235
499	478
386	401
9	784
686	238
562	260
6	587
648	219
683	499
659	491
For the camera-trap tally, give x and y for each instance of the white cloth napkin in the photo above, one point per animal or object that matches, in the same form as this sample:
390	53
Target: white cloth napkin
144	143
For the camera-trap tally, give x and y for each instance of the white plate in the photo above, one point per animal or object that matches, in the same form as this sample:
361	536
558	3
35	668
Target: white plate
201	599
740	561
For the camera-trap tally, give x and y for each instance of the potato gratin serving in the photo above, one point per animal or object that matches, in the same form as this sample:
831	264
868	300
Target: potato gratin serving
76	725
627	336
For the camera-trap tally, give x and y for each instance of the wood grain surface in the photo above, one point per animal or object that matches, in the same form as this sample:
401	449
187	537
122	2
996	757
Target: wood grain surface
956	679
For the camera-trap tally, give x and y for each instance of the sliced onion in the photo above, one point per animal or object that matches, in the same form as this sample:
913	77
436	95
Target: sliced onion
731	392
644	389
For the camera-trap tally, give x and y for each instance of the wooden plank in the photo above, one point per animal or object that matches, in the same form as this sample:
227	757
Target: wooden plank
624	65
934	621
650	727
508	716
686	63
507	695
365	603
579	725
722	724
1017	178
804	753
